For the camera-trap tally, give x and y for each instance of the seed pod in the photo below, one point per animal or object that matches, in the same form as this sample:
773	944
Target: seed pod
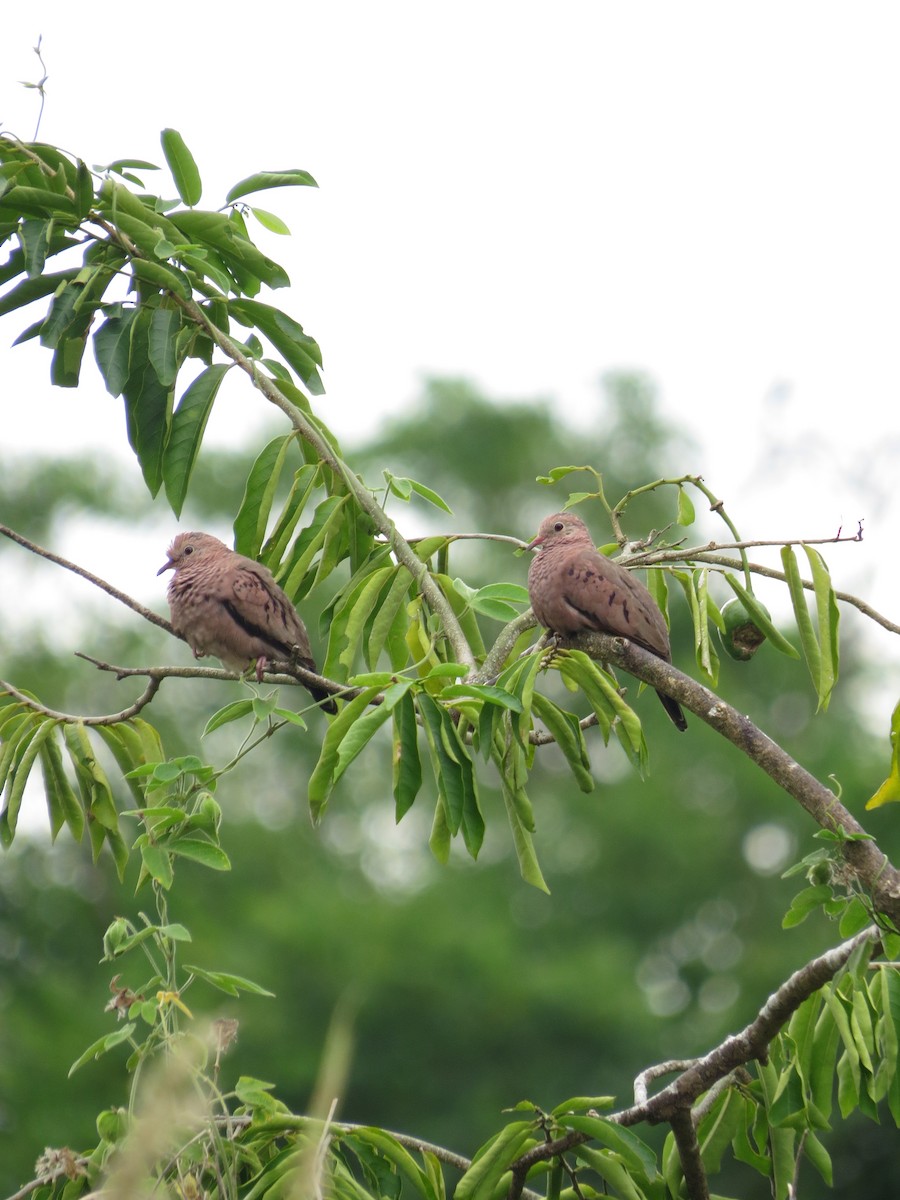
742	637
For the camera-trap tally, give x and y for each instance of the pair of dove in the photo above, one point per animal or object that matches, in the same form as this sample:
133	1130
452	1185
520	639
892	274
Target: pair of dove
225	604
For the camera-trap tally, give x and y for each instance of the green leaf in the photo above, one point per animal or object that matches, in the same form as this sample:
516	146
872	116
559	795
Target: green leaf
445	761
112	347
199	851
321	782
493	1160
30	747
34	289
299	350
431	496
34	238
102	1044
890	789
188	426
828	621
232	984
566	731
181	163
522	840
235	711
364	728
161	276
62	803
270	221
162	344
804	903
407	766
263	180
253	515
244	261
685	515
148	406
158	865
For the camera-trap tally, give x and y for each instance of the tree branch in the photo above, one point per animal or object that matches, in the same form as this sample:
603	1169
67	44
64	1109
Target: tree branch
689	1153
871	866
673	1104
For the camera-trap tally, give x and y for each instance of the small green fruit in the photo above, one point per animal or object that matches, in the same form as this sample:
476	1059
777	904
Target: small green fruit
742	636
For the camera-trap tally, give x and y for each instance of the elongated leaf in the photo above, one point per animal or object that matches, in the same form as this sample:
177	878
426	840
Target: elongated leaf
161	276
226	982
300	351
297	578
112	347
62	802
610	1167
365	727
270	221
18	777
392	601
162	343
34	289
685	508
522	840
407	766
188	426
263	180
635	1153
240	256
321	782
148	406
253	515
362	608
183	167
808	640
566	731
829	617
102	1044
448	774
493	1161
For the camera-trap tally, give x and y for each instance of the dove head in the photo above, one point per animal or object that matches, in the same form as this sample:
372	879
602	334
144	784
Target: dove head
191	548
562	528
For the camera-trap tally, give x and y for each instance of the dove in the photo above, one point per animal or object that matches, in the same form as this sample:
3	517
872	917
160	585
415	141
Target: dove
227	605
574	589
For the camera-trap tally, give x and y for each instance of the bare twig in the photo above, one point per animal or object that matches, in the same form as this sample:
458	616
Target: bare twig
122	597
73	718
276	675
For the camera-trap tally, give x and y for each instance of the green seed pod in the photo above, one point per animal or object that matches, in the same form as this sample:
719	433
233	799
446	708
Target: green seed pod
742	636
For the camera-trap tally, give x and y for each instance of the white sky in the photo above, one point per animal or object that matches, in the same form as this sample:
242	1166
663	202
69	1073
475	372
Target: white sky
529	195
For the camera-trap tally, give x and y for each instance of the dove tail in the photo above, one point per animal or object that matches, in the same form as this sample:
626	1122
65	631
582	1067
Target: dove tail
673	708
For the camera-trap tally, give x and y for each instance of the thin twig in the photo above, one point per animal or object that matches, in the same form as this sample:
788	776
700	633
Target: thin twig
73	718
123	598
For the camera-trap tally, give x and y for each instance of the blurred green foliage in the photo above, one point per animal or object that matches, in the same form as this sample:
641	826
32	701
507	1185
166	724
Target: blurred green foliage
472	990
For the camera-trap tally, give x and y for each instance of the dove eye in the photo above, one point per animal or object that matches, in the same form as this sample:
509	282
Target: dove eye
188	550
559	527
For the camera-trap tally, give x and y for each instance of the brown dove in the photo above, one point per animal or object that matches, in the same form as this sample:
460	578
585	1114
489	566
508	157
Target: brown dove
574	589
227	605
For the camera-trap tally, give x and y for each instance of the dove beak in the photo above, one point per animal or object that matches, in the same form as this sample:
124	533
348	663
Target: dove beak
168	565
535	542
